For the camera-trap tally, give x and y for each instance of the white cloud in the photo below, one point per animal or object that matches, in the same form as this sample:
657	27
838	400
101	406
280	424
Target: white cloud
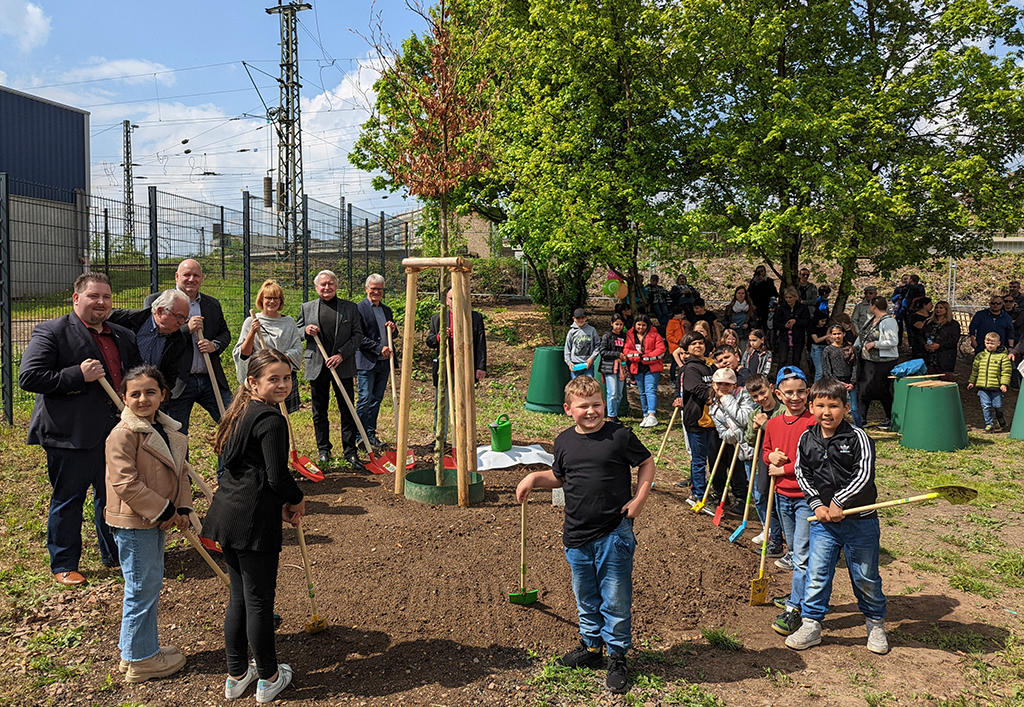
25	21
3	77
131	71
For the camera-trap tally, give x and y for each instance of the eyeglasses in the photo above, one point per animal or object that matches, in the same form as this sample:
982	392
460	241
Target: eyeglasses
181	318
996	301
374	289
794	393
271	299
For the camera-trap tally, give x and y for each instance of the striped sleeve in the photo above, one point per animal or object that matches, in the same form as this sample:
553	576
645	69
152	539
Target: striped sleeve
802	477
863	470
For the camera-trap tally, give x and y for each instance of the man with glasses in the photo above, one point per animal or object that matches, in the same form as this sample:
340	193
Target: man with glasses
1011	307
1014	291
160	336
807	289
993	319
372	356
862	310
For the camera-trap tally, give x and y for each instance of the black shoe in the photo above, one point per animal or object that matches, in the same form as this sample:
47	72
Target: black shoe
1001	420
787	623
738	508
353	461
376	443
775	550
325	459
617	681
582	657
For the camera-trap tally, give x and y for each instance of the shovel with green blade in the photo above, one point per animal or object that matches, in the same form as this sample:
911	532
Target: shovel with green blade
523	596
956	495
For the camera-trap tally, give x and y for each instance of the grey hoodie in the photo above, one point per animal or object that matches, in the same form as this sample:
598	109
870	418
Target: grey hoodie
581	343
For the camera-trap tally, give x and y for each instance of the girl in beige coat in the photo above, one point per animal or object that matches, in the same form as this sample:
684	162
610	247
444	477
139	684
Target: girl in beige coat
147	493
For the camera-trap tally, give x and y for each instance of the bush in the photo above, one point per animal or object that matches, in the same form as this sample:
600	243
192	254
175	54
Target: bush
497	276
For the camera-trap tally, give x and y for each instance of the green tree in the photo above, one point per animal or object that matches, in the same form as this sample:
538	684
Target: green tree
878	135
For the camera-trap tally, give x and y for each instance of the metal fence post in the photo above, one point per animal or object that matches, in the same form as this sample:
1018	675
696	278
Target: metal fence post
246	257
106	241
223	243
6	312
341	230
383	226
350	248
366	245
154	256
407	252
305	248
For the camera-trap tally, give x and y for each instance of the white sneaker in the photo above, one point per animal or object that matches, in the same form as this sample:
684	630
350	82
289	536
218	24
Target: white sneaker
785	562
808	635
649	421
233	689
268	690
877	642
759	540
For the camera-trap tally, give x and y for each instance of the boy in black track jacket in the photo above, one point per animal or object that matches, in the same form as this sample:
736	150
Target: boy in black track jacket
835	467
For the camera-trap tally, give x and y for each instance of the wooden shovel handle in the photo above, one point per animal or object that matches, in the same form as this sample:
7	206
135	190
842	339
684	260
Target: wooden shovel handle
883	504
753	474
344	395
309	573
194	542
110	391
522	551
671	421
767	525
213	378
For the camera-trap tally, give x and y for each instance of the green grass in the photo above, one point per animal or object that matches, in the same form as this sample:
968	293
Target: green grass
1010	568
722	639
911	589
879	699
973	586
690	695
557	682
984	541
958	641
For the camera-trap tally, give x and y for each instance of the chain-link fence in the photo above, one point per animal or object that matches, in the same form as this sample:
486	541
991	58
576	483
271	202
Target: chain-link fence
48	237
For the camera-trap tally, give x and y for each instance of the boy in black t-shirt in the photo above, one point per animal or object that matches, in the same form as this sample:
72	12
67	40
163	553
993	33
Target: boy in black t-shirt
593	463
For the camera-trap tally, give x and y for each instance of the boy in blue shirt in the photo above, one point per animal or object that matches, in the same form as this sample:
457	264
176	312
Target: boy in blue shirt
593	462
835	467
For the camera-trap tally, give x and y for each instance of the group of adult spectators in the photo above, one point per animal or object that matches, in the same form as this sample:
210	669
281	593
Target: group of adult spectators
182	331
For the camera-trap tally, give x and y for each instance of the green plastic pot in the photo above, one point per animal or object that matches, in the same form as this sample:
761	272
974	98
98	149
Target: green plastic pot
547	380
934	420
420	486
899	399
1017	427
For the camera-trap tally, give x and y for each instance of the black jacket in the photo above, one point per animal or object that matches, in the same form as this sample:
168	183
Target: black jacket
479	342
176	360
695	382
799	312
347	337
839	469
214	328
369	350
70	413
245	513
611	348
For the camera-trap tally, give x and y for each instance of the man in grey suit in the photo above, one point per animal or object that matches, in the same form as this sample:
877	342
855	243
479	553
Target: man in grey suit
340	328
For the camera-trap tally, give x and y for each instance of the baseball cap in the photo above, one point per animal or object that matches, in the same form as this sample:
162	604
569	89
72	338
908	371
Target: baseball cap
724	375
787	372
579	312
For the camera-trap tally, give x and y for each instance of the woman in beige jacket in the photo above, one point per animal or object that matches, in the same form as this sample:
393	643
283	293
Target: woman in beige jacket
147	493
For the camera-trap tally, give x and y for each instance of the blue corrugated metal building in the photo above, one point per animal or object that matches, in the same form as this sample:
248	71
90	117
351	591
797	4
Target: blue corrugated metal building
43	143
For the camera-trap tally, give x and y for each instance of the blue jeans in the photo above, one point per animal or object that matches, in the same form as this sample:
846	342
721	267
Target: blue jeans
816	350
71	473
141	552
660	312
197	390
701	443
858	539
991	400
794	513
854	411
370	388
761	505
647	386
614	387
602	580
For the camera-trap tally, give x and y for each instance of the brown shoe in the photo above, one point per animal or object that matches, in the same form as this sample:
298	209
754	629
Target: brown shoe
159	666
168	651
69	579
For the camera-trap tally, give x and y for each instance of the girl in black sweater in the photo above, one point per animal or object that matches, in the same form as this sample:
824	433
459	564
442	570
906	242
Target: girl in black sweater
255	494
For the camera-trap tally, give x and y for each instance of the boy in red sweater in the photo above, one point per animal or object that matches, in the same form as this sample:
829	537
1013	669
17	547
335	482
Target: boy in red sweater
781	439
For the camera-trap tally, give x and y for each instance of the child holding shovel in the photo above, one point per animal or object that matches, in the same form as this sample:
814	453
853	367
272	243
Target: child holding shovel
730	410
255	494
148	493
765	408
781	435
836	470
593	463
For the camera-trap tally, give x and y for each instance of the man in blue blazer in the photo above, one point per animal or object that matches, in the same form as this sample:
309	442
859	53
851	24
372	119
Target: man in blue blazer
62	365
373	356
340	327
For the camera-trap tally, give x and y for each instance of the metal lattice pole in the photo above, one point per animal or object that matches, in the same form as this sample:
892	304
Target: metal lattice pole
289	130
6	312
129	190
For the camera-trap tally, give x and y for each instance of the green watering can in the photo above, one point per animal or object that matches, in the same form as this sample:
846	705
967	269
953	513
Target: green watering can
501	434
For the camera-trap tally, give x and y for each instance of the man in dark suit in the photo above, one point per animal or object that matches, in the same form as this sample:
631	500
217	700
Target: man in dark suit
204	313
160	334
372	356
73	415
479	340
340	328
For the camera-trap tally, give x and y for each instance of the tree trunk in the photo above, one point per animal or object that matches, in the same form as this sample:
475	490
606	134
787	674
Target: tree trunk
849	264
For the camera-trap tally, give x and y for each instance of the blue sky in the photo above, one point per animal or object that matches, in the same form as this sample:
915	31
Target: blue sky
175	70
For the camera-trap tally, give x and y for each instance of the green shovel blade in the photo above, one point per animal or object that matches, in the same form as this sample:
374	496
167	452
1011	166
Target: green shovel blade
523	596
